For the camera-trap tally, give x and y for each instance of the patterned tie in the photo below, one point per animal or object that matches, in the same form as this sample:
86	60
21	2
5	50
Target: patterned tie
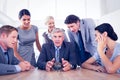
57	55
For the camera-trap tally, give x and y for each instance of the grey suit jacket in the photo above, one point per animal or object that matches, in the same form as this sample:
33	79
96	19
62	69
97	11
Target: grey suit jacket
48	53
8	68
88	35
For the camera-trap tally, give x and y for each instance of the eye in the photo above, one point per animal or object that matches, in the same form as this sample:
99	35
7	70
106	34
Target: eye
24	19
55	36
60	36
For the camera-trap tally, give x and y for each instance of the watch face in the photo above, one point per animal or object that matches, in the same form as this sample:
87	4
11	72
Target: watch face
57	66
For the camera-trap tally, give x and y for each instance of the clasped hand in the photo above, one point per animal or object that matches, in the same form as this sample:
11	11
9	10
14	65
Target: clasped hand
25	65
66	65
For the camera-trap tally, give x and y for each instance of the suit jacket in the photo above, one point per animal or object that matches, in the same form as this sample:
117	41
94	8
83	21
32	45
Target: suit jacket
8	68
88	35
48	53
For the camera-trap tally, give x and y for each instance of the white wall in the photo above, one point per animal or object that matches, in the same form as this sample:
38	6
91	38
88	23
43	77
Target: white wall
114	20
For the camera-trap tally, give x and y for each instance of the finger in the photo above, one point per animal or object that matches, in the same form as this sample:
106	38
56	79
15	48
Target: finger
65	64
66	68
50	64
47	69
53	60
63	61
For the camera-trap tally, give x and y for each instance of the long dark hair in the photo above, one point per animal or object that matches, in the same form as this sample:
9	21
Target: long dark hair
108	28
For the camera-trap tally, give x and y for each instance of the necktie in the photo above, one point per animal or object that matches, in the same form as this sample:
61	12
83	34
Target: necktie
80	40
57	55
82	49
6	56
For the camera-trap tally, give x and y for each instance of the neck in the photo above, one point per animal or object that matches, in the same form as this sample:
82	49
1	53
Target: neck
25	28
111	44
2	44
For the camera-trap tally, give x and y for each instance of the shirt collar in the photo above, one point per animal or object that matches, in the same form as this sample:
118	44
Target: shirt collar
2	49
57	47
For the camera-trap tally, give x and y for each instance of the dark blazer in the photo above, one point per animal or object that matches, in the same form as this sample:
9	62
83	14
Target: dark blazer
8	68
67	52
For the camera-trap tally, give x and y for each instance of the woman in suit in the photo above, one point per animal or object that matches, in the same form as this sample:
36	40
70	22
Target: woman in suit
50	23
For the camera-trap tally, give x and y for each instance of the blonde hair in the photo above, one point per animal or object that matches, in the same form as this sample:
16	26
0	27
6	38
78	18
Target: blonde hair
48	18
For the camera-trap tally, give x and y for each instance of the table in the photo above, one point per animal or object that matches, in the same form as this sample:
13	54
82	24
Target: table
78	74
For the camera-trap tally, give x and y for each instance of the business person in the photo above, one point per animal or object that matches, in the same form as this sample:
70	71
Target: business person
108	51
57	52
50	24
81	33
27	35
8	63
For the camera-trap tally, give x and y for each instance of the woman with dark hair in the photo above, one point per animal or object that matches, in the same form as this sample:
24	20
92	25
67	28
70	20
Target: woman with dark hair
27	35
108	56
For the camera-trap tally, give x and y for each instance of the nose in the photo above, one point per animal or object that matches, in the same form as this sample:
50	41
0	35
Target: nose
72	29
53	25
27	21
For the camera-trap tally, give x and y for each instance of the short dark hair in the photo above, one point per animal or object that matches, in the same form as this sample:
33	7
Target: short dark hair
7	29
23	12
71	19
108	28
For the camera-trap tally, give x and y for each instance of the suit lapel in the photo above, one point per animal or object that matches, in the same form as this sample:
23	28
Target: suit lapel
9	57
62	51
52	51
2	56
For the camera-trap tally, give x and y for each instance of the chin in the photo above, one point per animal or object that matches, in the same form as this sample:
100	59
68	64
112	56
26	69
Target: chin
57	45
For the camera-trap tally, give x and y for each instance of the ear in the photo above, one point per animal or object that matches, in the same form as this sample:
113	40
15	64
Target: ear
3	35
105	33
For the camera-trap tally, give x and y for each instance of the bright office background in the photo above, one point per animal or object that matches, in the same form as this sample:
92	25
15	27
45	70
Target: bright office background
100	10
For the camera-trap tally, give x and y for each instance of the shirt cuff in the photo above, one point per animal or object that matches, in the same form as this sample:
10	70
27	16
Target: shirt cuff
18	68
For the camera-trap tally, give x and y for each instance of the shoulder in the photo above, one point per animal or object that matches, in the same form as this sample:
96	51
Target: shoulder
117	48
35	28
44	34
68	44
88	22
47	45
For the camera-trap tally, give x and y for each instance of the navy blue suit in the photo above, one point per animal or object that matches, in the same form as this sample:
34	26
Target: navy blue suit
67	52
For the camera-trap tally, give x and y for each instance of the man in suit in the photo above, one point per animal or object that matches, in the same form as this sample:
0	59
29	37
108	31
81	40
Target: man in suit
8	63
82	34
59	52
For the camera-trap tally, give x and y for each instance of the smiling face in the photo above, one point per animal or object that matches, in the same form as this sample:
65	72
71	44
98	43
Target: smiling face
58	38
74	27
51	24
11	39
25	20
